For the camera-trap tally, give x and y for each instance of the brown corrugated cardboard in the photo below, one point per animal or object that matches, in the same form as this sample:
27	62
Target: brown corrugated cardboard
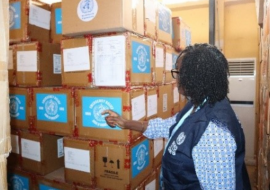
158	151
130	103
150	18
151	181
38	64
168	64
56	23
181	34
164	25
165	101
127	57
54	180
29	21
13	159
54	110
16	177
159	72
41	153
123	166
151	102
79	161
77	62
11	66
20	107
99	16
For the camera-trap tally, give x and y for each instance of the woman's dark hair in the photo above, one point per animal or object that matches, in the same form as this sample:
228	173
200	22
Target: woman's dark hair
203	74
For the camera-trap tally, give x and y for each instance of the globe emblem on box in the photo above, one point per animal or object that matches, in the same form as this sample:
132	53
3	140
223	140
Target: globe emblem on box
87	10
86	6
14	106
165	20
17	184
141	156
12	13
51	107
142	58
98	109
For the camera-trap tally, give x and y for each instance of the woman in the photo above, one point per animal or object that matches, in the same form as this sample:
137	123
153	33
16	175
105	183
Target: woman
206	144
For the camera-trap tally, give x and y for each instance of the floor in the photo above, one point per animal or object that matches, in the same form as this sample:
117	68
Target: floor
252	176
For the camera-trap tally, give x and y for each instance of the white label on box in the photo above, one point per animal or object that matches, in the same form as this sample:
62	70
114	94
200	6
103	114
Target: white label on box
15	144
150	9
39	17
151	185
159	57
138	107
175	95
10	60
60	148
151	105
182	97
164	105
158	146
87	10
27	61
110	61
76	59
31	149
77	159
168	65
56	64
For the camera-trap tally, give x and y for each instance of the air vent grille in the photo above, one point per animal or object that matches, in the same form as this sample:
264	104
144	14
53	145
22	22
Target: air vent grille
242	67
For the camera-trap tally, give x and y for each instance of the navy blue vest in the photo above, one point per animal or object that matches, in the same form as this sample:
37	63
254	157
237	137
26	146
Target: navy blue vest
179	170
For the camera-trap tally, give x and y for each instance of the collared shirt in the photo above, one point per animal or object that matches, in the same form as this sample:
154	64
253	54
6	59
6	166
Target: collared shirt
214	155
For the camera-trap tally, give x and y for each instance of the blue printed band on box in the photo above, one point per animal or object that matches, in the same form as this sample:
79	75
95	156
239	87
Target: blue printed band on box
58	21
92	107
17	182
44	187
140	58
17	107
165	23
52	107
15	16
140	157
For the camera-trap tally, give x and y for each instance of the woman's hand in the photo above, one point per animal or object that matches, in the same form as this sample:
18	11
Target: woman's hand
113	119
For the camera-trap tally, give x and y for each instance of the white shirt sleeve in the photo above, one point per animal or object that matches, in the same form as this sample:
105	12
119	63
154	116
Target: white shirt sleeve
214	158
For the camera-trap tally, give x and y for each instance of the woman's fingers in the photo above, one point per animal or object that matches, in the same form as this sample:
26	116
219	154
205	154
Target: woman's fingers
110	112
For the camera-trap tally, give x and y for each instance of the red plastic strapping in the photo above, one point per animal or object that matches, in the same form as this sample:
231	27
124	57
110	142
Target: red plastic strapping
126	108
90	78
127	164
128	187
127	75
92	143
126	34
56	89
32	123
75	131
39	77
39	47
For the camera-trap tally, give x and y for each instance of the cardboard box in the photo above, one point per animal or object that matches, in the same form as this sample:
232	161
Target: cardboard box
29	21
20	107
54	110
151	102
80	161
41	153
150	18
13	159
123	166
164	28
168	64
128	59
56	23
11	66
54	180
101	16
38	64
151	181
159	54
181	34
77	62
165	102
129	103
19	179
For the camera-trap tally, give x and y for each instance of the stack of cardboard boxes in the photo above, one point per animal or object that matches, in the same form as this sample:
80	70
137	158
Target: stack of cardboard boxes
99	55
